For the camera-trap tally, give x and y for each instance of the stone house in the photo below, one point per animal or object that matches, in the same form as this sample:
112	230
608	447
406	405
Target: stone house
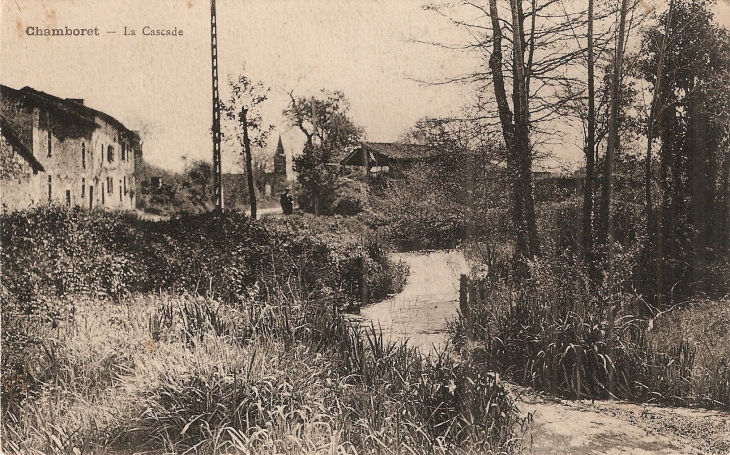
56	150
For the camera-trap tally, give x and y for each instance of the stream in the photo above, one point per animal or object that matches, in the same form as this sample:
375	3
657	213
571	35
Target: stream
419	315
430	298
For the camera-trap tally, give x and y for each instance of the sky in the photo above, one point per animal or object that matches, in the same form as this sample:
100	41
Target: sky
161	85
371	50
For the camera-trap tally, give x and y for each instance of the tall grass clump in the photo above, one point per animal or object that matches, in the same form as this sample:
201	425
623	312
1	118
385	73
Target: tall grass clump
188	374
551	331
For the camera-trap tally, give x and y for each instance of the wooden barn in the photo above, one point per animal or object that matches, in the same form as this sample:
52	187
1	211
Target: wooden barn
387	157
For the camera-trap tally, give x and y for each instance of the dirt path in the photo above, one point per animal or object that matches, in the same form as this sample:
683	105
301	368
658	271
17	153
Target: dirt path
420	313
586	427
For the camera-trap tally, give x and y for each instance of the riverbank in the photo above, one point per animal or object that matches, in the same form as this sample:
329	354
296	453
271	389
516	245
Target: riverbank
419	316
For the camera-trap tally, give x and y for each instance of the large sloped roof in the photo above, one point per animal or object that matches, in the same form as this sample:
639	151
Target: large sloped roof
389	152
67	107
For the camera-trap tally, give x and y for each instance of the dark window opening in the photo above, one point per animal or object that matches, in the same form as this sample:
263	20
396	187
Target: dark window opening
102	194
120	192
124	152
83	187
49	140
110	185
125	185
91	197
50	188
83	155
110	153
68	198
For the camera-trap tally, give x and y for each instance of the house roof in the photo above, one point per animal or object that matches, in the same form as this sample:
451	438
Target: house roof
67	107
384	152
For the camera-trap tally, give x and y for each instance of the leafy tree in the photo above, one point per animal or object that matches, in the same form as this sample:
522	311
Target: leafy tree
244	125
198	176
693	116
329	134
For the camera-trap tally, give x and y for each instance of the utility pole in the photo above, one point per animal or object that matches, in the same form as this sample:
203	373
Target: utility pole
217	187
249	165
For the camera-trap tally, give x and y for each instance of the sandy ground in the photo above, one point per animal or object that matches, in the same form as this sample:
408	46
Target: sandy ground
430	298
612	427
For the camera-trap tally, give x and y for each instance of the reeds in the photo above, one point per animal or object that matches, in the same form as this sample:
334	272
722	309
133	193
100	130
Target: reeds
551	332
187	374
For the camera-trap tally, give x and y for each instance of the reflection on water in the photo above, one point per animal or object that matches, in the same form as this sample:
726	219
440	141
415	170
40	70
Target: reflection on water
430	298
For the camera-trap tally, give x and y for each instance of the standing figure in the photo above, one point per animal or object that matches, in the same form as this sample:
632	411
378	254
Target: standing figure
287	203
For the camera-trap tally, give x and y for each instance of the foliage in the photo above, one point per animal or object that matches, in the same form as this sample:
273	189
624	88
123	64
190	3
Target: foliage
440	206
53	255
185	374
329	134
691	221
249	95
551	332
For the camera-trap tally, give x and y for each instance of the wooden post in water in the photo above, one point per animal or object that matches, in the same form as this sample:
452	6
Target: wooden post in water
465	295
364	286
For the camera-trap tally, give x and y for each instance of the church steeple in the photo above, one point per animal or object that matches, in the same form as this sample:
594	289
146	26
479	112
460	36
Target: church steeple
280	160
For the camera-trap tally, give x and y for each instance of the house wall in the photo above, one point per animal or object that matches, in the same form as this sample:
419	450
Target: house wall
18	183
78	165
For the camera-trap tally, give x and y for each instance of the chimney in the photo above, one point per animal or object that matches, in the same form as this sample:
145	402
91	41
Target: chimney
76	100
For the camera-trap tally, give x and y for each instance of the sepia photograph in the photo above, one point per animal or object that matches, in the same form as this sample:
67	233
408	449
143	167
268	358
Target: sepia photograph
364	227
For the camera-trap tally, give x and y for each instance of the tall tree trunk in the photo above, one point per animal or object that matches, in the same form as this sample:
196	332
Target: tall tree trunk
590	150
698	190
515	130
249	166
608	200
653	246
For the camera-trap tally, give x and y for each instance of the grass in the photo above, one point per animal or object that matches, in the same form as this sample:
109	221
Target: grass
701	328
167	373
551	332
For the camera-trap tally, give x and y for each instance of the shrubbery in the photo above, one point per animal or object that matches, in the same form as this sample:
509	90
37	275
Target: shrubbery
194	374
551	332
51	256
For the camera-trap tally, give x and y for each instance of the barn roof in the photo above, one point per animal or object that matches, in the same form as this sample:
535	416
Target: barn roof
385	152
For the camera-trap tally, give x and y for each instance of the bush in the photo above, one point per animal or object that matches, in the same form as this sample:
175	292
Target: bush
51	256
196	375
551	332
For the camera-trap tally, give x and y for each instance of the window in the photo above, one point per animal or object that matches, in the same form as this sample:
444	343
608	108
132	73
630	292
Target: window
49	138
110	153
83	155
120	191
50	188
83	187
68	198
102	194
110	185
125	185
124	152
102	156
